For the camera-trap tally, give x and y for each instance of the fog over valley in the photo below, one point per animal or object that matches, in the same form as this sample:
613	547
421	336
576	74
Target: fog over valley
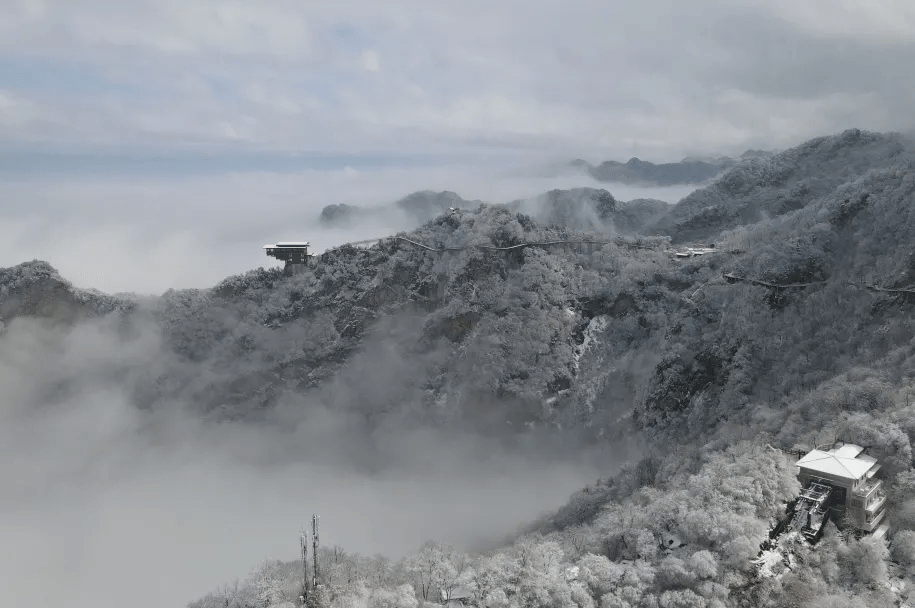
89	476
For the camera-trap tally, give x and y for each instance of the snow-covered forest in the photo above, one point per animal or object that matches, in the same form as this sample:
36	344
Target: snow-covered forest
705	371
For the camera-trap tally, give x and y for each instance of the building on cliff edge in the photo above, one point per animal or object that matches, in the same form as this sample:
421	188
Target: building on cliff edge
840	483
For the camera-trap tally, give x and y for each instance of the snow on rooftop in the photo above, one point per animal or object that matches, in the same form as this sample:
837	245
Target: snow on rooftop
849	450
867	458
837	462
287	244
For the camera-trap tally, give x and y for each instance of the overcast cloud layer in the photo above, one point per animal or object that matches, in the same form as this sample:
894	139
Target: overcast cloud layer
591	78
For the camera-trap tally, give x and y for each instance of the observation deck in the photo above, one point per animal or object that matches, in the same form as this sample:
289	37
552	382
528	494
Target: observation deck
291	252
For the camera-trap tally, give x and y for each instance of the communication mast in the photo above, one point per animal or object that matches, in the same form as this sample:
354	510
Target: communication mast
314	549
303	540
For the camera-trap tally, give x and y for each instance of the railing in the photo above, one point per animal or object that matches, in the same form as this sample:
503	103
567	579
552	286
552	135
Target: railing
905	290
734	278
618	241
876	504
869	488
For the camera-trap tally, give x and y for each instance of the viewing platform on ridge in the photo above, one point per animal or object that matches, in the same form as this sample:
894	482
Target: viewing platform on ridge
294	253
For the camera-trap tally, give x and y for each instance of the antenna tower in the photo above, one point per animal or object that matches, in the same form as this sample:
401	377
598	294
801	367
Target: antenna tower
314	549
303	540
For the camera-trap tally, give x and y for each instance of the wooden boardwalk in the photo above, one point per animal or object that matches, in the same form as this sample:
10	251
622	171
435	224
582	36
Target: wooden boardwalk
591	246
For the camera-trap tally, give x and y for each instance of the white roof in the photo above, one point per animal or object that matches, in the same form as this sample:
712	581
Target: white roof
836	462
849	450
287	244
866	458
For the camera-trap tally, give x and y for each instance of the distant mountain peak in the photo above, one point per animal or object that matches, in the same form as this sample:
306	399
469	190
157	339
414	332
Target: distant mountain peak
420	206
756	154
35	288
641	172
690	170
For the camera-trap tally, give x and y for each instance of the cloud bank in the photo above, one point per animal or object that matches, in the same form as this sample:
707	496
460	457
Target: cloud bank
105	503
152	234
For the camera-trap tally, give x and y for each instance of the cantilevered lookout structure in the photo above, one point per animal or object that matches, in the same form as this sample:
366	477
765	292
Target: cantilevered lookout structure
292	252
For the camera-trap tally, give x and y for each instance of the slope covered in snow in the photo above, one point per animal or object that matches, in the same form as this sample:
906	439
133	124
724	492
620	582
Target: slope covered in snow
762	188
797	326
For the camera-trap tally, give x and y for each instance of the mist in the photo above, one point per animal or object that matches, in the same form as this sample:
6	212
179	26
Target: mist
130	234
105	501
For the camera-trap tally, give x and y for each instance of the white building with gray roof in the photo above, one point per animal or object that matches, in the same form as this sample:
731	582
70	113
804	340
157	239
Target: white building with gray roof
850	473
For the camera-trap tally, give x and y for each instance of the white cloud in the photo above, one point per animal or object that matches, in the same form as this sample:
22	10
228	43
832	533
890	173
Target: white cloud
16	112
32	10
889	22
371	62
278	28
583	76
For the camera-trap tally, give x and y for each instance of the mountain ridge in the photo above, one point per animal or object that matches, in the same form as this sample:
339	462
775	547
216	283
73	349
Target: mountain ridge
716	379
690	170
759	189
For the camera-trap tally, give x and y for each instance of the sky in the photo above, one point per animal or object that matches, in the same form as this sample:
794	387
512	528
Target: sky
124	124
415	78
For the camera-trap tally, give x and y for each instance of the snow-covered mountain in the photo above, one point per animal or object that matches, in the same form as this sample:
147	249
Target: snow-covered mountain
508	328
797	325
762	188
